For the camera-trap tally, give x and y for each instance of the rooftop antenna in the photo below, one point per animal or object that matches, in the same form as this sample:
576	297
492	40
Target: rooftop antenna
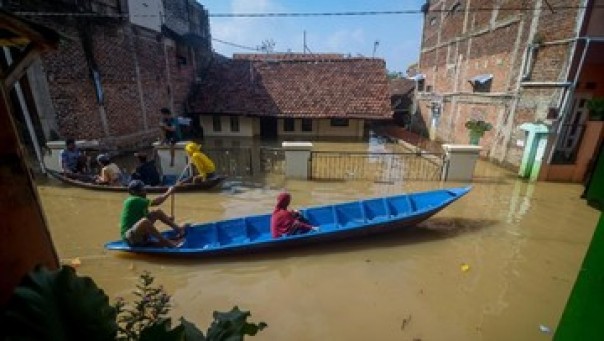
306	46
375	46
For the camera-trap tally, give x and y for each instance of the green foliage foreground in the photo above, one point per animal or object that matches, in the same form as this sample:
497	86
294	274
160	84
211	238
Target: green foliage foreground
60	305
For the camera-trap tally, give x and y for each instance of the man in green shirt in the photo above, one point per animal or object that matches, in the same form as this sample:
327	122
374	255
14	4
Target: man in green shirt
137	222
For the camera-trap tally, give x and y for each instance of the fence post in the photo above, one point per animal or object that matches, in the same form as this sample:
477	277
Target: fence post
163	154
297	155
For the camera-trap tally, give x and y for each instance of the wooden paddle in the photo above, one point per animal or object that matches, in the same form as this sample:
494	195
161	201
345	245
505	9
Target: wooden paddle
178	182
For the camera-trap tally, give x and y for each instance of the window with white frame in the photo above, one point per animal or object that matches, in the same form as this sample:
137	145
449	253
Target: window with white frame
217	123
234	124
339	122
306	124
289	124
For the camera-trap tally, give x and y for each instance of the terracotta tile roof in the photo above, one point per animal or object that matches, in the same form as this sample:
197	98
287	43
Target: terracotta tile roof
287	56
338	87
401	86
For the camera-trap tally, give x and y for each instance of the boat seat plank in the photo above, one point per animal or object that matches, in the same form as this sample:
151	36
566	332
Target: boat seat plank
232	231
322	216
258	227
399	205
349	215
205	235
375	210
387	209
411	203
362	210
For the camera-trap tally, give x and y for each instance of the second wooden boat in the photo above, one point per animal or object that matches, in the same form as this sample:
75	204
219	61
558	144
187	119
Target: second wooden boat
188	187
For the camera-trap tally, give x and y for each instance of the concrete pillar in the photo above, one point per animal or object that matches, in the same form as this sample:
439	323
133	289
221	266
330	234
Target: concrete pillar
297	156
461	160
52	156
534	148
163	158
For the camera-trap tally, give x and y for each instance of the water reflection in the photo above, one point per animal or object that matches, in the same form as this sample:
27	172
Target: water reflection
523	244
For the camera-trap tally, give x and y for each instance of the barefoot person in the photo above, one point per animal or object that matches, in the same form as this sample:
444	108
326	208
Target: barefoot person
137	222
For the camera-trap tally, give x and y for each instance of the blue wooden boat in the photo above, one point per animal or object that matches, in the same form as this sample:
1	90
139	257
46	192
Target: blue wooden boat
337	221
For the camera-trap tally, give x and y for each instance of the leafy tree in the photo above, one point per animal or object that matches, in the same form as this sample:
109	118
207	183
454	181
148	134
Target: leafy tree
395	75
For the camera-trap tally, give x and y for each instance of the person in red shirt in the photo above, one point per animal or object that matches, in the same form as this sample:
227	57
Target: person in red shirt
287	223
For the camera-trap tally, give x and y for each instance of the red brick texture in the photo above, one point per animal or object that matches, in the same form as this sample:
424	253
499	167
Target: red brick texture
492	42
139	74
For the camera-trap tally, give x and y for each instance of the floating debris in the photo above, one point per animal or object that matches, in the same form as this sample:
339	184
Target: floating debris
545	329
76	262
406	321
465	267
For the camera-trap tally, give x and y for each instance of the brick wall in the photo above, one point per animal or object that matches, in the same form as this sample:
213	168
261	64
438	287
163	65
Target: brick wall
492	42
139	73
71	87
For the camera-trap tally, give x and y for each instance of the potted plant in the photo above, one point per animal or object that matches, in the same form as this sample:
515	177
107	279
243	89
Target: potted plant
477	129
596	109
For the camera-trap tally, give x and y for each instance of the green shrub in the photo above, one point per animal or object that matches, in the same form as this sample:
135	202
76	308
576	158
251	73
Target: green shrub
478	126
60	305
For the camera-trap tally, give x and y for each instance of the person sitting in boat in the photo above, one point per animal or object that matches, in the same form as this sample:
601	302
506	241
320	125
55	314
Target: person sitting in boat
203	165
73	161
137	223
146	171
287	223
110	172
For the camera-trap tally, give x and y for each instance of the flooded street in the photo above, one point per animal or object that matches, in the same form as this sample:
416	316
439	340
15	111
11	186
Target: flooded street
523	244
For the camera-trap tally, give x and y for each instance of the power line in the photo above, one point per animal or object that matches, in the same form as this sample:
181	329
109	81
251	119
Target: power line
304	14
370	13
235	45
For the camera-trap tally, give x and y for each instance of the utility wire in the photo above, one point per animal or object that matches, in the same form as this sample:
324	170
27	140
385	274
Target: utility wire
369	13
303	14
236	45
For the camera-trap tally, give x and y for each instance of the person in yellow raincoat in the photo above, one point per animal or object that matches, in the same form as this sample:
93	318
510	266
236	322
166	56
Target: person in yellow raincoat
203	165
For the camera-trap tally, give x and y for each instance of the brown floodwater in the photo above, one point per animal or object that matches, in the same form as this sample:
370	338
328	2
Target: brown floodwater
523	244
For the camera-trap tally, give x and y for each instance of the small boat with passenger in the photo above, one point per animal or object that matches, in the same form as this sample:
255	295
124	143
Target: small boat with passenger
335	221
167	181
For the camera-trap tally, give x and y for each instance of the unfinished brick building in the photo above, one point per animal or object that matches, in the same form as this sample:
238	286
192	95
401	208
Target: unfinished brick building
510	62
118	63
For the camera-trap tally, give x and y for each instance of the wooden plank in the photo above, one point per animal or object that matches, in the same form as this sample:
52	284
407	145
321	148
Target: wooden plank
24	238
19	67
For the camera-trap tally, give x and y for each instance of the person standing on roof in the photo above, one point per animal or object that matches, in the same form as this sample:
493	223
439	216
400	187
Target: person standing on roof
169	126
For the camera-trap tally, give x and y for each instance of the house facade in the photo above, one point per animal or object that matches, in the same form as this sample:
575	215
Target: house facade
509	63
119	62
291	95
